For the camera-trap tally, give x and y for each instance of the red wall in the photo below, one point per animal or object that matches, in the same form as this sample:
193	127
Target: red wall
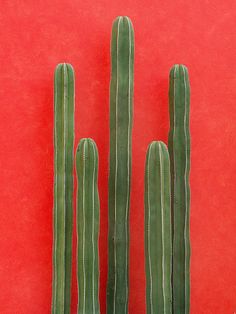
35	36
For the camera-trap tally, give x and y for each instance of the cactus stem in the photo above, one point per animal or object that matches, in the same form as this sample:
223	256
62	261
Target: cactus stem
179	148
63	186
158	229
121	93
87	226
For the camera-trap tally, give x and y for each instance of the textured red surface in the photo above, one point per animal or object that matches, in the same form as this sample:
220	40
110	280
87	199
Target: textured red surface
35	36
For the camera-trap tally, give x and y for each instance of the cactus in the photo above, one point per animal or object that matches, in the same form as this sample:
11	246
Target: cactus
63	187
179	150
87	226
158	251
121	112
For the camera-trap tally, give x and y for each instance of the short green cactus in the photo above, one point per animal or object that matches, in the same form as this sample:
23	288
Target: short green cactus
158	251
87	226
63	187
179	150
121	112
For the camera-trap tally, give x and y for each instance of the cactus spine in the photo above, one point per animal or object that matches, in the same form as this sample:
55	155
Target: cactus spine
121	112
179	150
158	251
63	186
87	226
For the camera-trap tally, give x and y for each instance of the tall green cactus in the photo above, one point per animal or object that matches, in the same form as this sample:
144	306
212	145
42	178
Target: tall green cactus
179	150
158	251
121	112
63	187
87	226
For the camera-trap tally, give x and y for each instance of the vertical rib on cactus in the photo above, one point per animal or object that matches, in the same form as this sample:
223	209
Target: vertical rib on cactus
179	150
121	112
158	250
63	186
87	226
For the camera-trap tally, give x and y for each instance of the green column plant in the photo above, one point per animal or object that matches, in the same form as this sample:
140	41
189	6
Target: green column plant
121	116
87	227
63	187
158	250
179	150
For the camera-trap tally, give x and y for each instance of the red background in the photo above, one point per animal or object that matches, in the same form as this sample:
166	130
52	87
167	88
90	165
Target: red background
35	36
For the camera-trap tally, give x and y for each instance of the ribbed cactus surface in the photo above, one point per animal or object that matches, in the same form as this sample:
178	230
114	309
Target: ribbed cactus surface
179	150
158	251
87	227
63	186
121	112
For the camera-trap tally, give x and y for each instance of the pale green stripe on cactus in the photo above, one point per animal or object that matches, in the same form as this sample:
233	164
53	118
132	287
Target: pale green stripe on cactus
87	227
179	150
63	187
158	251
121	115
